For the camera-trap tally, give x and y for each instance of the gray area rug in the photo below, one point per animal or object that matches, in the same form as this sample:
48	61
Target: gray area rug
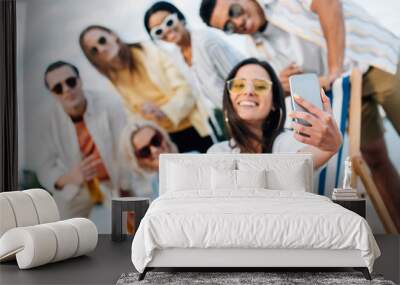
273	278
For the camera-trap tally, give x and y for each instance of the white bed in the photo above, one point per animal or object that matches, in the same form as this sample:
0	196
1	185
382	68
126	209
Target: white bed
201	219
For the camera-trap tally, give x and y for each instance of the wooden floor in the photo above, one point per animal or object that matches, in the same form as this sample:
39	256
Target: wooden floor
110	260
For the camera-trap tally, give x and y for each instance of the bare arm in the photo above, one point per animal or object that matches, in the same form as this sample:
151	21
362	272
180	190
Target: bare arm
322	137
332	23
319	157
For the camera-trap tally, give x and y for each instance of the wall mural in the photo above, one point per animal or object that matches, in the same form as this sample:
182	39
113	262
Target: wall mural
101	95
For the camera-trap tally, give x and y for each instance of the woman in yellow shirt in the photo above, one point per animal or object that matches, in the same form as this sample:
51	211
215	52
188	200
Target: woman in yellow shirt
149	84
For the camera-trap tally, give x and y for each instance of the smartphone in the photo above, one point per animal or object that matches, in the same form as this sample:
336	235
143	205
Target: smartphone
306	86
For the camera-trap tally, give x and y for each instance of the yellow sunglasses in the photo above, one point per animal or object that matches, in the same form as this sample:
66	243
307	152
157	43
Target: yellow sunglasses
238	85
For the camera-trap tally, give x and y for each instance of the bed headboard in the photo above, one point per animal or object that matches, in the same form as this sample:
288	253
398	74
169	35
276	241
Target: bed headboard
273	161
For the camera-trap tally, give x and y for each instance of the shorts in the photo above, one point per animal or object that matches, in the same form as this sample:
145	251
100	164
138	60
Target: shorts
379	88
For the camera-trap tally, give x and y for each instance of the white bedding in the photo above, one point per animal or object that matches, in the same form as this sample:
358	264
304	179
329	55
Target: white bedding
255	218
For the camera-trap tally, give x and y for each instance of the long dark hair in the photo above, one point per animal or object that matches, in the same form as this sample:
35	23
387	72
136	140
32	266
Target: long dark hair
124	52
272	126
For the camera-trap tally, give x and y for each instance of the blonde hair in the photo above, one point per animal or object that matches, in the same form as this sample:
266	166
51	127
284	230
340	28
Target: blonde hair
126	146
124	52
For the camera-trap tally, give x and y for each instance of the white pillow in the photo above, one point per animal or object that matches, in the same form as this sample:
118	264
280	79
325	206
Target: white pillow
293	180
183	178
230	180
251	178
281	174
223	179
184	175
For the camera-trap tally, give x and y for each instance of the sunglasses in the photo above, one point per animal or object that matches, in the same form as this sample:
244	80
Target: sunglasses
70	82
145	152
235	10
101	41
238	85
170	21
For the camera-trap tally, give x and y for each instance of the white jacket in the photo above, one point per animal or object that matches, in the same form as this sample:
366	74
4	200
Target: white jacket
105	118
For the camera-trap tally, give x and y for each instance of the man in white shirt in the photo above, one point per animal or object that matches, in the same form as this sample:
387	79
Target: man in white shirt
327	37
79	150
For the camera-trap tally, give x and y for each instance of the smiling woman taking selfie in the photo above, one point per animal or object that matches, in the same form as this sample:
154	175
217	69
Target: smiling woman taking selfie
255	113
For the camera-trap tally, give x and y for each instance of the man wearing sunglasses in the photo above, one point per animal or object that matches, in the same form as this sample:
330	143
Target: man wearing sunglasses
326	37
80	146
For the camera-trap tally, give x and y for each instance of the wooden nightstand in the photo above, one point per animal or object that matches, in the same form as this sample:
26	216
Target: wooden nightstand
357	206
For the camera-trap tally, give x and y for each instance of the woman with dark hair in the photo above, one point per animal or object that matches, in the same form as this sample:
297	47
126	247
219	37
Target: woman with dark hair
207	58
149	84
254	109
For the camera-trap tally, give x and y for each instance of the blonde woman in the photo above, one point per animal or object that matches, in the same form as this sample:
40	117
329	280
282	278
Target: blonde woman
142	142
149	84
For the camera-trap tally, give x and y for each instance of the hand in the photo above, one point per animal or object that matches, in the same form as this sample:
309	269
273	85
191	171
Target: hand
323	132
84	171
327	80
284	75
77	175
88	167
149	108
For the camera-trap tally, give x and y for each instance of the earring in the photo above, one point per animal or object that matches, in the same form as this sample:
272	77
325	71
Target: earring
226	119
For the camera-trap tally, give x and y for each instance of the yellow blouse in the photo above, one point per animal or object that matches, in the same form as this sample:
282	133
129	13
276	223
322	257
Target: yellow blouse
137	88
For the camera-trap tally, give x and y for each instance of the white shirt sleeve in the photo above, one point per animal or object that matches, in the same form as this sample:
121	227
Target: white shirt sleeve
222	147
306	4
224	56
285	142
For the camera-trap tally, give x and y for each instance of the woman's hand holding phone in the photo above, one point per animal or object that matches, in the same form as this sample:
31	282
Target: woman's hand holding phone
323	131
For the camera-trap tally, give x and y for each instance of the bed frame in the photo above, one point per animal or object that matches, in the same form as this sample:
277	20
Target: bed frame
245	259
248	259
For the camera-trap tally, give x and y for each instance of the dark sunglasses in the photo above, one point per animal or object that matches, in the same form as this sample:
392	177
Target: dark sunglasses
145	152
101	41
58	88
235	10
